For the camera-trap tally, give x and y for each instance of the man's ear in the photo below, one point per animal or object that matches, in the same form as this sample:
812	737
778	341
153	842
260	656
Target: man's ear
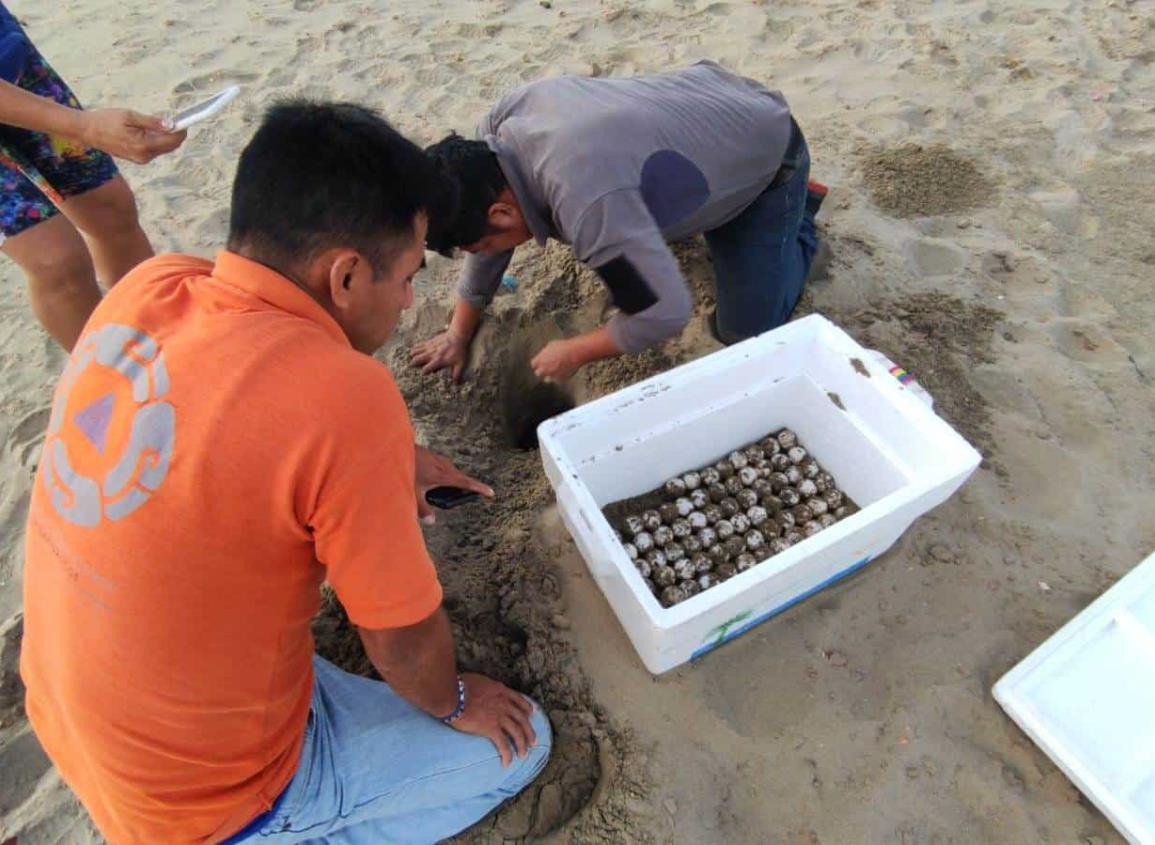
342	271
503	215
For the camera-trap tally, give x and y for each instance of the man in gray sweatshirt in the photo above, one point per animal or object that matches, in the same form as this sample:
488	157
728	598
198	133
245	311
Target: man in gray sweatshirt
617	168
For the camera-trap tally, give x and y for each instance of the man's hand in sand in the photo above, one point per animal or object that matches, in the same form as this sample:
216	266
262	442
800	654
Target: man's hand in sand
128	134
498	713
448	350
434	470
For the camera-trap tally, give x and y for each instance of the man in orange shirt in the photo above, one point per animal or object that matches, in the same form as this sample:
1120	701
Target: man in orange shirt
221	443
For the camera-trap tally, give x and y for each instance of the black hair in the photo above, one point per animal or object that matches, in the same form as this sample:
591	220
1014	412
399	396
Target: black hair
318	175
469	182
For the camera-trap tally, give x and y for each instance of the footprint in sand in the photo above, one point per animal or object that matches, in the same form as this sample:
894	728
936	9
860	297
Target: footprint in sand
28	435
22	764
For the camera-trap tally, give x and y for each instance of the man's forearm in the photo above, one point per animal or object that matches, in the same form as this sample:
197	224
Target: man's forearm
466	318
40	114
595	345
418	662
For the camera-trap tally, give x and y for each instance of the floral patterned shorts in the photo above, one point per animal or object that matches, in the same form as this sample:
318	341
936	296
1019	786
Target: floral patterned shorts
39	171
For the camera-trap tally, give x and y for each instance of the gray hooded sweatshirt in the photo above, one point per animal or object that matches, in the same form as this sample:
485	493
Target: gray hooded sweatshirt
619	167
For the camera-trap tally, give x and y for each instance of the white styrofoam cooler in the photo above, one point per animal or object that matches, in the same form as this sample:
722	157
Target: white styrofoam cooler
887	450
1087	697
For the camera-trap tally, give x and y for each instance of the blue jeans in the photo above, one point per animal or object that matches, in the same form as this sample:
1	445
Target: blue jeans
762	257
374	769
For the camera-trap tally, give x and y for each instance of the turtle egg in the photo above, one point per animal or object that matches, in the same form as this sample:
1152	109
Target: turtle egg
817	506
811	528
651	520
757	515
796	454
725	529
692	480
713	513
657	558
747	475
778	480
833	498
741	523
707	580
699	498
763	488
802	515
684	506
669	512
755	540
735	546
734	485
771	446
779	462
789	496
663	535
737	460
671	595
785	521
664	575
634	525
675	487
744	561
710	475
692	545
691	588
793	537
697	520
773	504
754	452
717	553
729	507
702	564
675	552
725	469
777	545
631	550
707	537
787	438
826	520
643	567
746	499
810	468
644	541
844	510
717	492
684	569
807	488
794	475
681	529
824	481
726	571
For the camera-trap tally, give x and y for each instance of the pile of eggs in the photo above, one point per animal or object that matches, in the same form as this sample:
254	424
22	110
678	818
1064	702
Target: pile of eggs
726	518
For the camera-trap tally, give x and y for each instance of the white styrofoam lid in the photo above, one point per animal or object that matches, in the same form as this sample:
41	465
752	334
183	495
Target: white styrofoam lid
1087	698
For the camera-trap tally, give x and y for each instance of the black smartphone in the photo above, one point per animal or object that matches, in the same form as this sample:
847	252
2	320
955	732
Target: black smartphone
448	498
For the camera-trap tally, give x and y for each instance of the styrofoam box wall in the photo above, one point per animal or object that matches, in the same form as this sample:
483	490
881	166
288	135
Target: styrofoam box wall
888	451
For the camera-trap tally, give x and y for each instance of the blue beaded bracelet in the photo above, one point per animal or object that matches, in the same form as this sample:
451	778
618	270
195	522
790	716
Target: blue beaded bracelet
460	708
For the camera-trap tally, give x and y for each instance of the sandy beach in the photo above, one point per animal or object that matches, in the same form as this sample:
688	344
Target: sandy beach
992	169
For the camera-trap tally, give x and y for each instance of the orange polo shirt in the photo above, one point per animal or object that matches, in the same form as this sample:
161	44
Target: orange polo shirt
216	450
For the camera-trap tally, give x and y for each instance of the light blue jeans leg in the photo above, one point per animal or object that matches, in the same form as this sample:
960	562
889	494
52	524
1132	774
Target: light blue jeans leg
375	769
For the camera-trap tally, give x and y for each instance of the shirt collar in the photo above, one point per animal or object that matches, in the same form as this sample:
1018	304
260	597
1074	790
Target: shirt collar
273	288
533	209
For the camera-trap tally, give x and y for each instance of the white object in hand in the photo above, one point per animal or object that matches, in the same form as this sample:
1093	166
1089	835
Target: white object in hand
205	109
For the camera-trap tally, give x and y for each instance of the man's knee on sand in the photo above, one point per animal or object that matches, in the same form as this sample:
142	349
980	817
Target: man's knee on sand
522	771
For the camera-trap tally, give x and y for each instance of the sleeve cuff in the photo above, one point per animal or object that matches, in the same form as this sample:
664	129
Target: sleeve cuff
412	610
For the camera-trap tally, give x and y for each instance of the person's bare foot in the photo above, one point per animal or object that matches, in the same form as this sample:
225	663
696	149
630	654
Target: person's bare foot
820	265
